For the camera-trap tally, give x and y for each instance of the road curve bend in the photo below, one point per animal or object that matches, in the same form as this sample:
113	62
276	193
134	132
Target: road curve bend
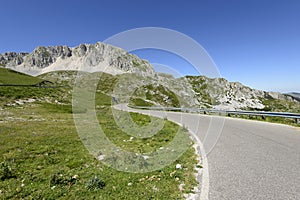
251	159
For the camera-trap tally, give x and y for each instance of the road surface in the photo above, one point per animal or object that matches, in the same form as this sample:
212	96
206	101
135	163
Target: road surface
250	160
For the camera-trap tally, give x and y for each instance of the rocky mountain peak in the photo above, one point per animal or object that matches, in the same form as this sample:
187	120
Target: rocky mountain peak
85	57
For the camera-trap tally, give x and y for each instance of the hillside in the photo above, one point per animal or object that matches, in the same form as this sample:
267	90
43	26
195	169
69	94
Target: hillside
11	77
294	95
190	91
219	93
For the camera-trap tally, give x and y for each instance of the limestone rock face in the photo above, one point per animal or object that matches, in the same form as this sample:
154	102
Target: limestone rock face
218	93
85	57
12	57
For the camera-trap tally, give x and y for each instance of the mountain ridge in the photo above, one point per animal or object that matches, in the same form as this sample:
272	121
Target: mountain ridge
295	95
85	57
155	88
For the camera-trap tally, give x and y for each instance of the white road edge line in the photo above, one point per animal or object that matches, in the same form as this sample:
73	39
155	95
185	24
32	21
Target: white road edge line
204	195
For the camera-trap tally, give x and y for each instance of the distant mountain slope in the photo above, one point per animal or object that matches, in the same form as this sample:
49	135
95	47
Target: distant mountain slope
294	95
190	91
85	57
11	77
222	94
164	90
204	92
218	93
128	77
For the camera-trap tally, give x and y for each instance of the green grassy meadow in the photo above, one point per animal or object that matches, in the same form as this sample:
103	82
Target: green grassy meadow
42	156
8	76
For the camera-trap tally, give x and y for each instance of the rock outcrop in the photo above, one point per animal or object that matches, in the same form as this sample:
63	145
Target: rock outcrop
12	57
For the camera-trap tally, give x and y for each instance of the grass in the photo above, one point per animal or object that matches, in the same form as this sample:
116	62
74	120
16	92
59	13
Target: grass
62	78
8	76
15	86
9	94
107	82
138	145
139	102
154	93
42	156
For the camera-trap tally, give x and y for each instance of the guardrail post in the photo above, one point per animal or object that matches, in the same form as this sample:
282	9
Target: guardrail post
297	121
263	117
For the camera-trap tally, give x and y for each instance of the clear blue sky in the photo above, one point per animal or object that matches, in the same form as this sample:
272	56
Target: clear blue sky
256	42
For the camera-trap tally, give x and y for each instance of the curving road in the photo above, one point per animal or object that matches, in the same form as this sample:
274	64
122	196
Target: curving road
250	159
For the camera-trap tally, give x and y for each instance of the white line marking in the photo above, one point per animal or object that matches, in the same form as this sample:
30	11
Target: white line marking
204	195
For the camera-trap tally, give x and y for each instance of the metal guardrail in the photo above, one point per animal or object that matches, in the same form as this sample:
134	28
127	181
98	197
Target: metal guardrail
263	114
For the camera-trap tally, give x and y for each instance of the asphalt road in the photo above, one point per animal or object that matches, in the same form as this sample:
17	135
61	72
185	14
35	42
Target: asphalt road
246	159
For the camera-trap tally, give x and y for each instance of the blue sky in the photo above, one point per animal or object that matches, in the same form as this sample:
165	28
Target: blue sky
255	42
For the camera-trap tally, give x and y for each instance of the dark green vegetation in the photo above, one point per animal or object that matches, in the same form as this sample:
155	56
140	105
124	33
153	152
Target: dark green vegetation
42	156
154	93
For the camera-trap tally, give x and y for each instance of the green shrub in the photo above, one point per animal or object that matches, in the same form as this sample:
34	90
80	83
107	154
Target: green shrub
57	179
95	183
6	171
61	179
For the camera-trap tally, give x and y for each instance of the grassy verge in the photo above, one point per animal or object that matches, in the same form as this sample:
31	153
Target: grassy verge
42	157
